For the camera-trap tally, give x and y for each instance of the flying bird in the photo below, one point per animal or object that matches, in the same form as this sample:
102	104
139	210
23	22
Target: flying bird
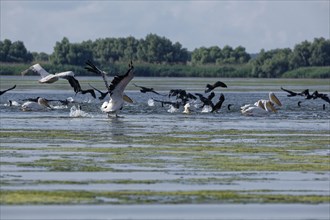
206	100
115	89
218	105
48	78
103	94
323	96
210	87
11	88
145	89
291	93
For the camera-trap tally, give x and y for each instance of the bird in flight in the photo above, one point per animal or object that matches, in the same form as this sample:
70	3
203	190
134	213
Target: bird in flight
6	90
48	78
210	87
115	89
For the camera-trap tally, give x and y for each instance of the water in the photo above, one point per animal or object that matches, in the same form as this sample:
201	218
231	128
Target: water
166	170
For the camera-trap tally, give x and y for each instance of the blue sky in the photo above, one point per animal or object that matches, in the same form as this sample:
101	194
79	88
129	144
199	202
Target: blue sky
252	24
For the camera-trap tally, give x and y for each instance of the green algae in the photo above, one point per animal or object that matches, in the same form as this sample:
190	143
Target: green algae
148	197
223	150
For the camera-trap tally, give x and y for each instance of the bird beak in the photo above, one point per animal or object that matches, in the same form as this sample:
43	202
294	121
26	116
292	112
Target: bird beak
127	99
274	99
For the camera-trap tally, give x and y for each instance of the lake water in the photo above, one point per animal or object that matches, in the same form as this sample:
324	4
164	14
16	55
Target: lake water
168	171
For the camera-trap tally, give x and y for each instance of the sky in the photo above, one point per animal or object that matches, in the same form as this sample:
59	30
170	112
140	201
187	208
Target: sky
253	24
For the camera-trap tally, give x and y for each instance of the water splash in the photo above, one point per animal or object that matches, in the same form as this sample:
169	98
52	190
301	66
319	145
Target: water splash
151	102
76	112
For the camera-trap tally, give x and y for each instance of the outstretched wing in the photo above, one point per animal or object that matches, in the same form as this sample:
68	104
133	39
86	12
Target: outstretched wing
221	84
119	83
90	91
11	88
291	93
103	94
37	69
73	82
92	68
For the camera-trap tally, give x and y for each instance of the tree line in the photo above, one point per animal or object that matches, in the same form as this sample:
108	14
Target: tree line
159	54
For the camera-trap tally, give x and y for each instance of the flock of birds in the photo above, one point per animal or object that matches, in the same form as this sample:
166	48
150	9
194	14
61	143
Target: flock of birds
117	97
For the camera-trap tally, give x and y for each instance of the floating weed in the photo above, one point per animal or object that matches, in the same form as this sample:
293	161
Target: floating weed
149	197
223	150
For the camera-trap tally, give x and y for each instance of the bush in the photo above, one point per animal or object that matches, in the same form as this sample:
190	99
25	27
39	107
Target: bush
308	72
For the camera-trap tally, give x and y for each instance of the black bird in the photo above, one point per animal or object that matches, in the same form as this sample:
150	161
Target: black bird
11	88
323	96
145	89
103	94
177	92
229	106
206	101
291	93
210	87
299	104
218	105
182	94
90	91
306	94
31	99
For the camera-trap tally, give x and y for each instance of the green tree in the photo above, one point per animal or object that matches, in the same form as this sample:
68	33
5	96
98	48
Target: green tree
300	55
320	52
14	52
61	50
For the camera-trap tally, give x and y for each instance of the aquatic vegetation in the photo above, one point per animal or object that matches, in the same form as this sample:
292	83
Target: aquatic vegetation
149	197
146	158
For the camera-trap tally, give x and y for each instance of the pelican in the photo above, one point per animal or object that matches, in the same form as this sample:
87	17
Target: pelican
11	88
39	104
48	78
116	88
210	87
186	108
262	106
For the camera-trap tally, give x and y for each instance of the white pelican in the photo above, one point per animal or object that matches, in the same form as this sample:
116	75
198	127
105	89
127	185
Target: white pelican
262	106
116	89
11	88
40	104
186	108
48	78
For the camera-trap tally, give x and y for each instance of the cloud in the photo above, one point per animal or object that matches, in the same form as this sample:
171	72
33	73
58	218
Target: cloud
251	24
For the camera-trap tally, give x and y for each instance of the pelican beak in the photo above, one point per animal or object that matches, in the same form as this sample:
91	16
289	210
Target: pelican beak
274	99
127	99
